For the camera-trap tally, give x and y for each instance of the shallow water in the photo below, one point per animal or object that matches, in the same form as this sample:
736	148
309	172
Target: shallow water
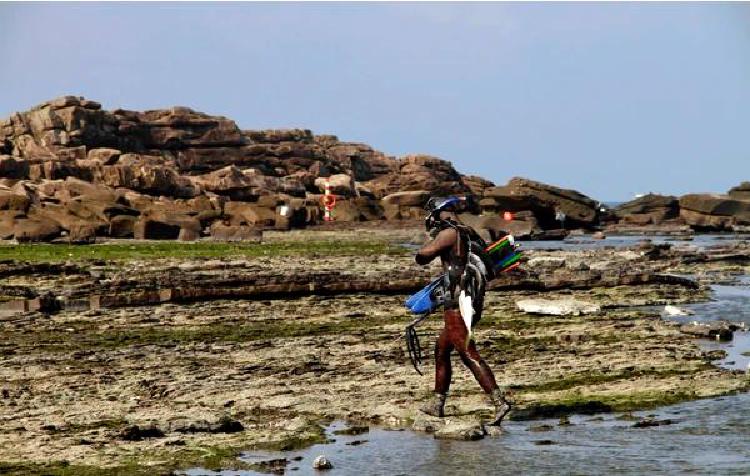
587	242
731	303
704	437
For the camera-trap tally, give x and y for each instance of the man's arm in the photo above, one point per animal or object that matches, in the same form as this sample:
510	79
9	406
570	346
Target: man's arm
443	241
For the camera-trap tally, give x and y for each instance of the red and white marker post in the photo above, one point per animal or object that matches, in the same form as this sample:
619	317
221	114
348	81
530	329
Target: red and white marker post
329	201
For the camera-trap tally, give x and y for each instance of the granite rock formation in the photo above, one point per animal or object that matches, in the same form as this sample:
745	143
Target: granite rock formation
649	209
70	169
543	201
714	212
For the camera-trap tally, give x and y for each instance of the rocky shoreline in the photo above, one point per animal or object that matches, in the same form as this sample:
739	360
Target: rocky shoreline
73	172
146	366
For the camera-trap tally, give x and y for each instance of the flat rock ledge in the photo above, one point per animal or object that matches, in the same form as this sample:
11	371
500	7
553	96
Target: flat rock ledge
558	307
455	428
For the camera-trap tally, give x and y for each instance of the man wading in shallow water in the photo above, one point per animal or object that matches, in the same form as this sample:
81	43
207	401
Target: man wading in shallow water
450	244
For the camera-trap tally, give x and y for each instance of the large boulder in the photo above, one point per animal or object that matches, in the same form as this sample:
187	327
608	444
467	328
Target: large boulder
360	161
145	177
103	156
357	209
340	184
477	185
544	201
55	128
122	226
494	227
182	127
714	212
14	199
250	214
649	209
411	198
65	219
8	223
420	172
236	184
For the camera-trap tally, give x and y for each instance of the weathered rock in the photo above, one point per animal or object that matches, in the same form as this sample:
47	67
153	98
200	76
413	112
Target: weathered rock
149	229
146	178
322	463
713	330
71	147
103	156
420	172
7	223
223	424
222	232
670	310
81	233
182	127
13	199
166	226
244	214
410	198
340	184
369	209
237	184
651	422
122	226
714	212
477	185
496	226
136	433
13	167
649	209
544	201
460	430
740	192
557	307
34	230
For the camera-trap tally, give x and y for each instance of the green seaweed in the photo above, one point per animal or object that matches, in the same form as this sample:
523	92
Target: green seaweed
174	249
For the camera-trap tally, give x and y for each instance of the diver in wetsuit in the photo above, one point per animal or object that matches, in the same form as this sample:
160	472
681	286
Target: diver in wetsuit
447	244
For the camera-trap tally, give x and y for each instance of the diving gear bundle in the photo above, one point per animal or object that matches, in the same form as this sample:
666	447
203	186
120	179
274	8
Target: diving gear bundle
501	256
428	298
469	265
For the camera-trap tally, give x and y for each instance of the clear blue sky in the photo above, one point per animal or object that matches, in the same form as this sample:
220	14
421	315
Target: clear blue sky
610	99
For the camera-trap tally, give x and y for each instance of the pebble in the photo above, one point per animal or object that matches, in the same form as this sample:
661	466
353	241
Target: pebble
321	462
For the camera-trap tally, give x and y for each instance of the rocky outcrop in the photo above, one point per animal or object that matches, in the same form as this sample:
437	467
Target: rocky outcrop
134	163
649	209
714	212
543	201
81	169
740	192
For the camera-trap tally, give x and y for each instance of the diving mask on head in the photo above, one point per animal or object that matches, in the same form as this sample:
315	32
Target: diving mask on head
433	223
